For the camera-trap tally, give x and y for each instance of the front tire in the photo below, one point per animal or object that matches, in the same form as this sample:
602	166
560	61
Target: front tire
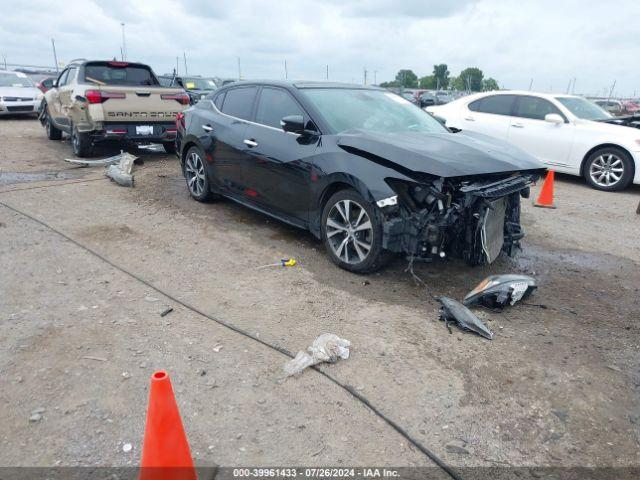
352	232
196	175
81	143
609	169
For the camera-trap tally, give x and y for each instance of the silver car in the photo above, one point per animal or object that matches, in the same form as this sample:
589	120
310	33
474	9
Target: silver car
18	94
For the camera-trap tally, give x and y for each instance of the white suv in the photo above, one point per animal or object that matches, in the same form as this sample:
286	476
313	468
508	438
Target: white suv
567	133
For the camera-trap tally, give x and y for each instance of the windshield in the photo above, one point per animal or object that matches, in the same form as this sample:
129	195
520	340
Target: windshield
15	80
197	83
583	108
370	111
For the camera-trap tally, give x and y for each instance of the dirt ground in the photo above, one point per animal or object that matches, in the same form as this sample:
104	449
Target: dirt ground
79	337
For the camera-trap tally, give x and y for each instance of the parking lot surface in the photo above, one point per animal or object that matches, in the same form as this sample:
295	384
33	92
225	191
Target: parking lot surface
87	267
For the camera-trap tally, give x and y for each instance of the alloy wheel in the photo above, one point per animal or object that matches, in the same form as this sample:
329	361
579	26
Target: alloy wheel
606	170
194	170
349	231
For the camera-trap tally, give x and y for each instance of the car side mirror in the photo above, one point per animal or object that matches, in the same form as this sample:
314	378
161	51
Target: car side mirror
553	118
293	124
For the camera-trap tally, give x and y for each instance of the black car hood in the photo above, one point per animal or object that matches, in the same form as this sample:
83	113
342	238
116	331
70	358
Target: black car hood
441	154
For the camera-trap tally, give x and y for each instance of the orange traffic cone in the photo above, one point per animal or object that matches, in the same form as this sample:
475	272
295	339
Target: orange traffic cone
545	199
165	452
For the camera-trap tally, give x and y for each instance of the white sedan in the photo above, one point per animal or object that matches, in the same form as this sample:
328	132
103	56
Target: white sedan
567	133
18	94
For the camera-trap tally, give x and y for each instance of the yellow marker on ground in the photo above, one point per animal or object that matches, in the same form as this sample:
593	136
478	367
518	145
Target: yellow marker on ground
285	262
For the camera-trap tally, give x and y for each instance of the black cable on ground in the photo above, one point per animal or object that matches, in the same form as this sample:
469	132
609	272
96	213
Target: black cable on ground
419	280
348	388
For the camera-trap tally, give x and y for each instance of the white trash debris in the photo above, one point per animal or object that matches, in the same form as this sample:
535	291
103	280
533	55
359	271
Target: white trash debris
326	348
127	447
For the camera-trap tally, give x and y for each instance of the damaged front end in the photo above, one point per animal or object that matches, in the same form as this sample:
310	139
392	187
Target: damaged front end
473	218
632	121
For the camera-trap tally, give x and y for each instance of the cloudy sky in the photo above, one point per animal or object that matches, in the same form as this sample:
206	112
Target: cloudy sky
513	41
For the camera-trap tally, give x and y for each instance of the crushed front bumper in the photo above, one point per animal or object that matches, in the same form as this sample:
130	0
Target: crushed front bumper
476	221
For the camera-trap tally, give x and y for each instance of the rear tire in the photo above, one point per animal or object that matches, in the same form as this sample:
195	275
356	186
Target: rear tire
608	169
53	133
196	175
81	143
352	233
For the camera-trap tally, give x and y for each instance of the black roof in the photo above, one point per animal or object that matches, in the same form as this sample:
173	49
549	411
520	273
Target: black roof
302	84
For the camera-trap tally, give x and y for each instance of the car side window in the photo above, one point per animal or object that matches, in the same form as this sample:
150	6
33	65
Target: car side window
70	76
238	102
495	104
274	104
219	100
63	78
535	108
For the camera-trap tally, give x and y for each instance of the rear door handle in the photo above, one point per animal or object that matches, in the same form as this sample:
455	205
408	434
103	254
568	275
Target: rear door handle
207	128
517	125
470	119
250	143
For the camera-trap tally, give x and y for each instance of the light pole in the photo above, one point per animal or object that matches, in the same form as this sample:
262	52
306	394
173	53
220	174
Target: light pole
55	56
124	44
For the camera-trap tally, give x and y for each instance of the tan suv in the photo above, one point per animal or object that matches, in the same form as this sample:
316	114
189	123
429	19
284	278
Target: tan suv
95	101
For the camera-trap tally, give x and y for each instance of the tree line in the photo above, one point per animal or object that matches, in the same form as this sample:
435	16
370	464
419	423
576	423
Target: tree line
470	79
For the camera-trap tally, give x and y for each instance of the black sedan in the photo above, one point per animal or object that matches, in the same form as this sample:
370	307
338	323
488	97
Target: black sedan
361	168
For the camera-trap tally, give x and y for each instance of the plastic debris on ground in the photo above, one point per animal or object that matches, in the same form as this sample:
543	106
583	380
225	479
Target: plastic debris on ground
326	348
121	172
101	161
496	291
118	167
453	311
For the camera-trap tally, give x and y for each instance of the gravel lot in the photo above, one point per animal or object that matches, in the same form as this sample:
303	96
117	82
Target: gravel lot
558	386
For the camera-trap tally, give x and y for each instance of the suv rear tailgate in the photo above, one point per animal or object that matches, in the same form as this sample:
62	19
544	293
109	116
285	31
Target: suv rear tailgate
143	104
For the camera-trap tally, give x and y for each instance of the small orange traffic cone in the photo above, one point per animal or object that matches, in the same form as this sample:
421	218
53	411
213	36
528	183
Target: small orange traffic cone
165	451
545	199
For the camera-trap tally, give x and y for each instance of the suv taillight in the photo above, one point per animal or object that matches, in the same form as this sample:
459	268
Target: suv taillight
181	98
180	121
98	96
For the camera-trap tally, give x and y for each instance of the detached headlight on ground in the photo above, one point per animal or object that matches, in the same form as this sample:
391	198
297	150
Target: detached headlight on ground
496	290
